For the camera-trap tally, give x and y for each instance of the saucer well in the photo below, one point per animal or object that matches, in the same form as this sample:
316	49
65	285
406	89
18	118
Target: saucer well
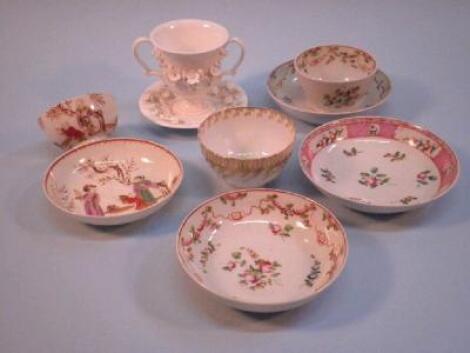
162	107
377	164
262	250
115	181
284	88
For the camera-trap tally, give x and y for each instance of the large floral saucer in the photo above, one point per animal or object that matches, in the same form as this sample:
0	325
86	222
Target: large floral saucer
284	88
163	107
377	164
262	250
113	181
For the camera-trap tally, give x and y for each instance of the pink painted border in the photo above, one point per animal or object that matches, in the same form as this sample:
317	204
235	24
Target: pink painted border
359	127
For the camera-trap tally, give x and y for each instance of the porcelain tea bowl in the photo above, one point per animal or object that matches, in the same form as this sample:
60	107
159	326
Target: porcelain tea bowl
378	164
262	250
284	88
335	77
113	181
78	119
247	147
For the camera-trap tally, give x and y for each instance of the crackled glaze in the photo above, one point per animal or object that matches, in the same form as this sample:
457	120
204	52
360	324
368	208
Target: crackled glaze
284	88
380	165
113	181
271	250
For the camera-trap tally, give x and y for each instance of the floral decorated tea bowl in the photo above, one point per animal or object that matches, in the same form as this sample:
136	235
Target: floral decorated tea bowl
378	164
335	76
247	147
262	250
75	120
113	181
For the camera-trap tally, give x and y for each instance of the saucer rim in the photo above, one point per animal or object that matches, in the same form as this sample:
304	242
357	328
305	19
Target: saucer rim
298	109
371	207
258	306
159	122
113	217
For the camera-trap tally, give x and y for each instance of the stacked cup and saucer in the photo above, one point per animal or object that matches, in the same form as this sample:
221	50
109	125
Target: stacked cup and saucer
191	84
329	81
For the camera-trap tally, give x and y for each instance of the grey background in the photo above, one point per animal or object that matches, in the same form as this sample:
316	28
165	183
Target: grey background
68	287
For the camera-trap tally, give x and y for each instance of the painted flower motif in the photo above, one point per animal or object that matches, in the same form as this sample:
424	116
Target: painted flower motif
314	272
205	254
328	175
275	228
425	177
342	98
236	215
373	178
352	152
232	197
255	272
278	230
265	266
397	156
424	145
230	266
330	221
322	238
331	136
407	199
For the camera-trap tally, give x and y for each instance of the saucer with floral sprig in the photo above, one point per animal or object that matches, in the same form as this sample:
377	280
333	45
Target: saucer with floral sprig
162	106
284	88
378	164
262	250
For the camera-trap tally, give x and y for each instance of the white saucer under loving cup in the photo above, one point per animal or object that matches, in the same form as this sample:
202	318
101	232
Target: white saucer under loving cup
335	76
188	50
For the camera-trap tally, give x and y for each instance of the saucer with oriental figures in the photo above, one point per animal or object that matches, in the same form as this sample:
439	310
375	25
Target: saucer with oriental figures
115	181
262	250
377	164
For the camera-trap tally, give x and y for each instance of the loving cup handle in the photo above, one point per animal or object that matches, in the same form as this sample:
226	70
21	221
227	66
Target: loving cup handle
135	49
235	67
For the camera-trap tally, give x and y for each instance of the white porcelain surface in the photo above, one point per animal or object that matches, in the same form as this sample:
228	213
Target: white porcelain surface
335	76
189	53
378	165
113	181
78	119
284	88
162	107
247	147
262	250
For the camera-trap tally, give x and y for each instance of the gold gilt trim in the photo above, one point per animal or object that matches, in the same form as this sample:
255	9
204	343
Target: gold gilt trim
229	166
